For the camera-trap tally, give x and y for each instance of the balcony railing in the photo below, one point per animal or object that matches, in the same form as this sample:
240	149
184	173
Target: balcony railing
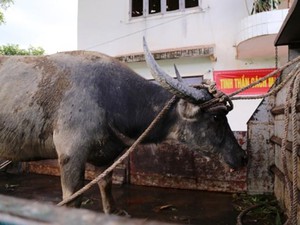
256	32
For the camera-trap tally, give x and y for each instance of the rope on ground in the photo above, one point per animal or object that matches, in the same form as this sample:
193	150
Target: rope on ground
245	211
4	164
124	156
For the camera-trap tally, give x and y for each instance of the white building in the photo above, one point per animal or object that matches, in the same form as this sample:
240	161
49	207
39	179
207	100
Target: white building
199	36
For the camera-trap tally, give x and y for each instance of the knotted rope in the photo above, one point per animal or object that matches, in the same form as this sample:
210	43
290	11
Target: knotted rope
220	100
292	188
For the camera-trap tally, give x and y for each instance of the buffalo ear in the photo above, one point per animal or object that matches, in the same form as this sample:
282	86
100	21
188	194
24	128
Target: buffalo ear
187	110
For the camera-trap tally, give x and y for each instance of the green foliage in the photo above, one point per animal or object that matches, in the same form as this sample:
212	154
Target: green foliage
12	49
4	4
269	212
264	5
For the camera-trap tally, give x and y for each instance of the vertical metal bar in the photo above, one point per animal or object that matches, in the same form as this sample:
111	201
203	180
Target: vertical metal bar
146	8
276	57
272	4
181	5
130	9
163	6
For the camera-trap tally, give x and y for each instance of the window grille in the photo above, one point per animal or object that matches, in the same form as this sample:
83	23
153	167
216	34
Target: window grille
140	8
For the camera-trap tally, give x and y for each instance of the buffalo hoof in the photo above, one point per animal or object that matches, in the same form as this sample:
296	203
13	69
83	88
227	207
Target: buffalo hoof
121	212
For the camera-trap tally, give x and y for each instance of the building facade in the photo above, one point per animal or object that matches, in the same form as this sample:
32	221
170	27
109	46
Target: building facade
202	37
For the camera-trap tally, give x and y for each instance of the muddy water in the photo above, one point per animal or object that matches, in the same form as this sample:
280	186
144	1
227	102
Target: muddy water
168	205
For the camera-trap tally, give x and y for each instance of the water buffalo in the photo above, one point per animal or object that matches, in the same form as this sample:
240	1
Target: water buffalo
73	106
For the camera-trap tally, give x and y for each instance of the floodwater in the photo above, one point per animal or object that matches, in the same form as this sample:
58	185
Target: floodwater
161	204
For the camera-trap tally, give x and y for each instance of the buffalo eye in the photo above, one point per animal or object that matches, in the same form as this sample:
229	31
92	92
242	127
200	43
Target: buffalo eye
216	118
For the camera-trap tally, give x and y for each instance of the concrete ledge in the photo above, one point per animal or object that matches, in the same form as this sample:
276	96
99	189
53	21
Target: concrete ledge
195	51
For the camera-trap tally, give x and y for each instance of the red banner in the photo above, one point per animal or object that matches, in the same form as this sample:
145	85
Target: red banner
232	80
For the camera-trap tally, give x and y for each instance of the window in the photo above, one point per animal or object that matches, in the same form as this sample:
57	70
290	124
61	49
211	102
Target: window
172	5
154	6
149	7
191	3
136	8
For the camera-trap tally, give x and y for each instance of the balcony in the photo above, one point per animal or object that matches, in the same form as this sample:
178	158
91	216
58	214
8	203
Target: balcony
257	32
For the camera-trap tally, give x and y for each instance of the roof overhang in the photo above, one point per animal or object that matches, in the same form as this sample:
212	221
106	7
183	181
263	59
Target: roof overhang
289	32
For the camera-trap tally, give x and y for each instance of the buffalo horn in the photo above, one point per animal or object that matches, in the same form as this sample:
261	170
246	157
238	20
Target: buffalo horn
180	89
179	78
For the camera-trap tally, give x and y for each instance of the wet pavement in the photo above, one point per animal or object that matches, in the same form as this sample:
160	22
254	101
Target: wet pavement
162	204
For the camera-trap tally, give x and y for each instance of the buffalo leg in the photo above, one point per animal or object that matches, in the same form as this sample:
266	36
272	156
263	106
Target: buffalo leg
72	158
72	177
108	202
